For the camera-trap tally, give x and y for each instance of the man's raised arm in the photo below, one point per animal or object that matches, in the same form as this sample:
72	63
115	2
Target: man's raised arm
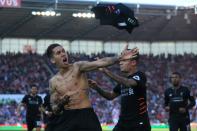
104	62
107	61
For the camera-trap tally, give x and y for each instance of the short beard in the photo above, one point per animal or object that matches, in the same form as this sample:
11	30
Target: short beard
34	94
176	84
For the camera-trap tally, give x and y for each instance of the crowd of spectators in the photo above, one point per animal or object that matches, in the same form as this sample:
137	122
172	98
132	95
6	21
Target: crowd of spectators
19	71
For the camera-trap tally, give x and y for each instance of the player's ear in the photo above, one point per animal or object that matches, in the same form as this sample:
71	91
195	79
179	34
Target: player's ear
52	60
133	62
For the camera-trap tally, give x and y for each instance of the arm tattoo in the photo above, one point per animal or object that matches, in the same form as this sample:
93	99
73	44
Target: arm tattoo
111	60
121	79
104	62
105	94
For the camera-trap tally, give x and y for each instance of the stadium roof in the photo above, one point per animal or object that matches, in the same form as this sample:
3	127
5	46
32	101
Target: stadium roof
157	23
179	3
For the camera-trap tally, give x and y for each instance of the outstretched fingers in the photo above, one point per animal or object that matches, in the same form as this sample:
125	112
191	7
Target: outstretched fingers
126	47
135	52
130	54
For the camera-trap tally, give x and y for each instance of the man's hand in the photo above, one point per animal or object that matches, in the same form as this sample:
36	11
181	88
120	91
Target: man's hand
125	49
167	108
48	113
56	109
62	101
41	109
182	110
128	54
17	112
92	84
18	109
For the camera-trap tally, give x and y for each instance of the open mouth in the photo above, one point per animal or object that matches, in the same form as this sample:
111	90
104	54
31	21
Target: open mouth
65	60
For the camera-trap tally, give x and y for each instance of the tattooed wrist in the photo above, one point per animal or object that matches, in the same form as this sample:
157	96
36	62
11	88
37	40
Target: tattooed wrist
115	59
64	101
58	106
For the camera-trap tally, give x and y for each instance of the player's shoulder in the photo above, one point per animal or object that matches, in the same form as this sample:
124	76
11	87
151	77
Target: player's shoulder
138	75
185	88
54	78
38	96
80	63
141	73
52	81
169	89
26	96
47	96
75	66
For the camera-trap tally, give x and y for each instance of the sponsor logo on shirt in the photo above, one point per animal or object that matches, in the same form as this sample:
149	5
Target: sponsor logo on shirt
33	102
127	92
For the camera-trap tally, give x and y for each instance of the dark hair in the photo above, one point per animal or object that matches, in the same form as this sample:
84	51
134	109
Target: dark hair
177	73
33	85
49	51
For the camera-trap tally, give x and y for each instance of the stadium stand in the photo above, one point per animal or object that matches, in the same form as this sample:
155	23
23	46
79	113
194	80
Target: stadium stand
18	71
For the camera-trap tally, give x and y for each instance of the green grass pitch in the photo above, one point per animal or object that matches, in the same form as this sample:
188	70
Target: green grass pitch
15	128
155	129
158	129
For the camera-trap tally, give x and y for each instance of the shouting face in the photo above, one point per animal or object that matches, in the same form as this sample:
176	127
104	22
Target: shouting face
60	57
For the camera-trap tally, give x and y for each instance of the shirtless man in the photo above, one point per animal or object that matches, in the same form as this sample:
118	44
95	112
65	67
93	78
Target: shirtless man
69	90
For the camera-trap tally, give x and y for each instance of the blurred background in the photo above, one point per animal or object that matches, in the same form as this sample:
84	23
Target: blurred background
166	37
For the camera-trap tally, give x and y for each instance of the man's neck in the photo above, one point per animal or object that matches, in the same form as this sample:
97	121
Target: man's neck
33	95
132	71
176	87
63	70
